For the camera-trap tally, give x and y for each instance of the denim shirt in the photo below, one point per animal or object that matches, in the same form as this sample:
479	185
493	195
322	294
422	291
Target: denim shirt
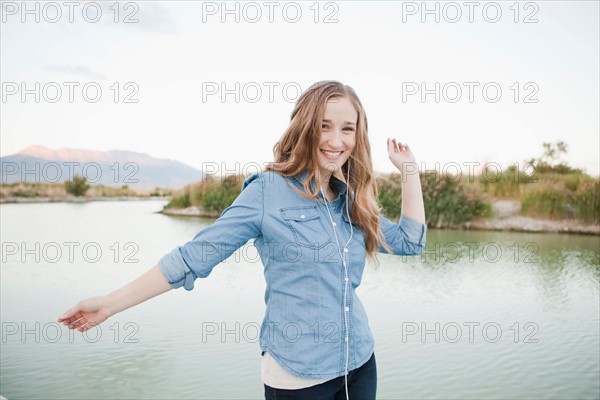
303	327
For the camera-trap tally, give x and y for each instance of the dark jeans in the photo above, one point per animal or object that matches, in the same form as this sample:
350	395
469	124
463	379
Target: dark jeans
362	385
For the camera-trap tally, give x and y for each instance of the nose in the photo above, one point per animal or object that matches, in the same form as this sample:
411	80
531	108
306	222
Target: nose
335	140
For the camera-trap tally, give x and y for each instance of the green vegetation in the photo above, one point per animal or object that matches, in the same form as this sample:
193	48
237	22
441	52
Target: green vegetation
448	200
587	201
505	184
546	188
59	190
548	162
78	186
209	195
158	192
559	191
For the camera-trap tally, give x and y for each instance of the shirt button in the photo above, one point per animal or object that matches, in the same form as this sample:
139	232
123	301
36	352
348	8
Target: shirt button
345	250
346	338
346	279
334	224
302	216
347	308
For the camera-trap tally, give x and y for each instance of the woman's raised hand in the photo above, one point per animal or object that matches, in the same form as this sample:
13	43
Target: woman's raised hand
399	153
86	314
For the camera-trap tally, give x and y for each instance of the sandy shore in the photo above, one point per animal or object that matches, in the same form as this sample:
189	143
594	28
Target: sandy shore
507	218
190	212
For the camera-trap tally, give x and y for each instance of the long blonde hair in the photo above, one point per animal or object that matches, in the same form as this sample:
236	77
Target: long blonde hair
297	150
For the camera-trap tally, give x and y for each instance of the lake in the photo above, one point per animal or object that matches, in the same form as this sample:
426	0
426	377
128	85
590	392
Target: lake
481	315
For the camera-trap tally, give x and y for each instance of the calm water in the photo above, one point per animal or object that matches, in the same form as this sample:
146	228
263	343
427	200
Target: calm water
519	320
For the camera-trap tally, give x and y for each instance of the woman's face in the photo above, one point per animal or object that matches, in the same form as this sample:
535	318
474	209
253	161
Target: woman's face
338	135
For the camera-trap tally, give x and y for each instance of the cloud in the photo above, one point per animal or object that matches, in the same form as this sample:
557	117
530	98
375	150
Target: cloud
77	70
156	18
149	16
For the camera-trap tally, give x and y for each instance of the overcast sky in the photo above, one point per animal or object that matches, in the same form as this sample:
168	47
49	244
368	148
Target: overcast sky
175	60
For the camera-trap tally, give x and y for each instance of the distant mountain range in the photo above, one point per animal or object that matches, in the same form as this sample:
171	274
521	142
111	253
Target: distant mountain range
111	168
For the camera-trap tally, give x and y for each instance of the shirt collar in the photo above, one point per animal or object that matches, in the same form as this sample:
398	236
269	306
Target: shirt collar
340	186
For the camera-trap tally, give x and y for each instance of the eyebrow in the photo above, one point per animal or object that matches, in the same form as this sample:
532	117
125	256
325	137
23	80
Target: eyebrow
345	122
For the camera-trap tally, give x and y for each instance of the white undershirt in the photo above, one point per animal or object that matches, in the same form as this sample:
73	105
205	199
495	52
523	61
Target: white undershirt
273	375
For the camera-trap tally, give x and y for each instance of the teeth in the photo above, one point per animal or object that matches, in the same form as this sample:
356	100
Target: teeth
330	154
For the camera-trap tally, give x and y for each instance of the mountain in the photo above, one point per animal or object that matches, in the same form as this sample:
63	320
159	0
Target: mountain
111	168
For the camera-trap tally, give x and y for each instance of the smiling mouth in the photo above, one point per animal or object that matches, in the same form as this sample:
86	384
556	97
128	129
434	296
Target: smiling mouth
332	155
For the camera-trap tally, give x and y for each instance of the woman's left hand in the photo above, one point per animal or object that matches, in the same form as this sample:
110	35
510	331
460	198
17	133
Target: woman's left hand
400	154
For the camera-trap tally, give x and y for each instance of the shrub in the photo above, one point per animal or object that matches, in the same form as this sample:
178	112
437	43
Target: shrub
78	186
180	201
587	201
548	200
504	184
447	200
221	196
209	194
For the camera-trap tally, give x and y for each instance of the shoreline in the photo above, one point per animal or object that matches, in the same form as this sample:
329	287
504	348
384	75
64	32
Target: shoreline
29	200
506	215
506	219
192	211
530	225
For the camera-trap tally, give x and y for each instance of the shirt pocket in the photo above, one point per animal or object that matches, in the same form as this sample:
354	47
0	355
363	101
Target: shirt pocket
357	233
306	225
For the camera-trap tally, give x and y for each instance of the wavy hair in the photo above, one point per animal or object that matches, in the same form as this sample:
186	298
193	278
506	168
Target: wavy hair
297	150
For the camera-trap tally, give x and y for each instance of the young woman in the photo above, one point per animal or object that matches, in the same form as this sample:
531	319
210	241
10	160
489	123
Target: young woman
314	218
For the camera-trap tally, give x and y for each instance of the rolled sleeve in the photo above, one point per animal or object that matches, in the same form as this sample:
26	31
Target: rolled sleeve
407	237
177	272
238	223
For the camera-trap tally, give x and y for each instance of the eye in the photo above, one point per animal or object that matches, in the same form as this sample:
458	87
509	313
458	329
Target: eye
324	126
350	129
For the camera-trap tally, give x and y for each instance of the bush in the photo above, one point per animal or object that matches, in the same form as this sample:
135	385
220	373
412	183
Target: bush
389	194
25	193
78	186
209	194
180	201
221	196
504	184
587	201
447	200
571	181
548	200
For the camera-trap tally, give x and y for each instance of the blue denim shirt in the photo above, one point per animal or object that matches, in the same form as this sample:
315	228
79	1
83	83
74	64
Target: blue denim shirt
303	327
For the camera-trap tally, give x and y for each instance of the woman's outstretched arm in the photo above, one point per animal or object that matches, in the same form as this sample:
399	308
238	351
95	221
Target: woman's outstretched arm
90	312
